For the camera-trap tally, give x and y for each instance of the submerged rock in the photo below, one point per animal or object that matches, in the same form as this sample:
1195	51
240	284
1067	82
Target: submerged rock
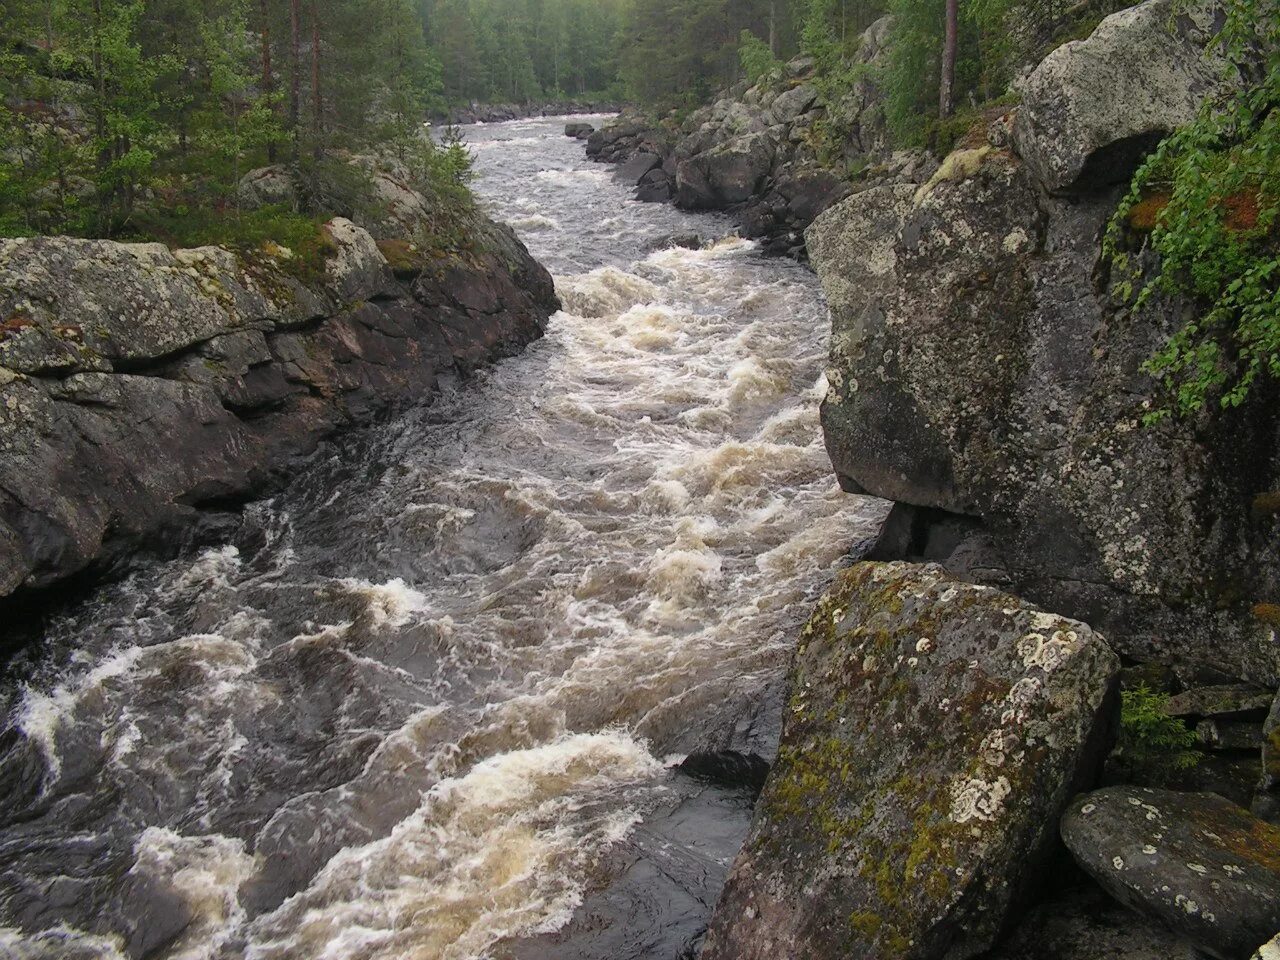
1194	861
935	730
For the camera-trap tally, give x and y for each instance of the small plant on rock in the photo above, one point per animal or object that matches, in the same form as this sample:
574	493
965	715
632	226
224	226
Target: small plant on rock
1152	745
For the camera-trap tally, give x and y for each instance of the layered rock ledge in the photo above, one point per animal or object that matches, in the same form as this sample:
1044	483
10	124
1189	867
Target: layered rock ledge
139	384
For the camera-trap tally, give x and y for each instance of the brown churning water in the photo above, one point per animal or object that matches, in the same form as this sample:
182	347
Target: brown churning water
410	707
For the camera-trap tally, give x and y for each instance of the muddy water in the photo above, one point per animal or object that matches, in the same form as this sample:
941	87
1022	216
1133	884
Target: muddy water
426	703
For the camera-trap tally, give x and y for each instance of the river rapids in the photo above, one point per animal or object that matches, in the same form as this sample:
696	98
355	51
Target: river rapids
427	702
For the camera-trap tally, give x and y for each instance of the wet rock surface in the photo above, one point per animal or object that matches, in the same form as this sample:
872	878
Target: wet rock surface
1197	863
933	733
138	383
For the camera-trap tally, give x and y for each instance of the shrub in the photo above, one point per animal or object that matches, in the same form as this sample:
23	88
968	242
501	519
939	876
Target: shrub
1214	229
1152	744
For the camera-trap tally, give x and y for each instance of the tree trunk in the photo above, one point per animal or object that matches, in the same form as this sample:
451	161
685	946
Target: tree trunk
946	87
773	27
268	78
317	105
295	73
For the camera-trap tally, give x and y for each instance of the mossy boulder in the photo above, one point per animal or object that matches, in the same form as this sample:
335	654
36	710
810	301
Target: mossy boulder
1197	863
934	732
986	365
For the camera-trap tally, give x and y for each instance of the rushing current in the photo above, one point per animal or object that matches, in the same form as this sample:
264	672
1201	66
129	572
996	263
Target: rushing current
425	702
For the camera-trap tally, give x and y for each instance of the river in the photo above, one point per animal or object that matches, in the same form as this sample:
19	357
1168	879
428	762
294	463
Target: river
426	702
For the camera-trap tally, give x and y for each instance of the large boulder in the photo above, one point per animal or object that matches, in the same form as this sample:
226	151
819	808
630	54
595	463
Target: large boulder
1266	802
267	186
982	368
790	104
1094	107
1196	862
724	175
935	731
139	383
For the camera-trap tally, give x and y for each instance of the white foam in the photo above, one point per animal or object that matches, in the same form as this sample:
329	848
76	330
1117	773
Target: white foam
498	852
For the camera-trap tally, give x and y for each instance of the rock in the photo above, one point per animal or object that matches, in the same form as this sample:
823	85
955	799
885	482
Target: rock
634	169
728	768
687	240
137	383
1085	924
1266	802
726	174
792	103
578	130
1269	950
267	186
1194	861
656	186
978	368
1229	735
1223	700
1093	108
934	732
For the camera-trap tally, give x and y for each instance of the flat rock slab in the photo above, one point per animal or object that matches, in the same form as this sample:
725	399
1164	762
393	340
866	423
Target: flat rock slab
1224	700
934	732
1198	863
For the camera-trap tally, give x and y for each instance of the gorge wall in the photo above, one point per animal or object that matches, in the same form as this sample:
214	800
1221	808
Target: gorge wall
986	376
139	384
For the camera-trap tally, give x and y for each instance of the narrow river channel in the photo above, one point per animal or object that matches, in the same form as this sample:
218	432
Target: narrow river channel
426	702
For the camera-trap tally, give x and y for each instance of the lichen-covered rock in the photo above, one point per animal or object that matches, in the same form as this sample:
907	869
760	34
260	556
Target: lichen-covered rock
1269	950
726	174
981	366
1266	802
935	730
1094	107
267	186
1196	862
137	383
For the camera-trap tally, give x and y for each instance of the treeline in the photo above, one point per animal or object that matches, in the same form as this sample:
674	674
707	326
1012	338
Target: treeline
113	111
495	51
944	54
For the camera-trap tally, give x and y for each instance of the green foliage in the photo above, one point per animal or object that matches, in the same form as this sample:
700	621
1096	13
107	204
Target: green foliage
1213	192
519	50
1151	743
757	59
116	114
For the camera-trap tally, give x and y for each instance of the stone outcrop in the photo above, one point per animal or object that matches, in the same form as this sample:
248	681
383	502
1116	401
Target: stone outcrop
503	112
985	376
1093	108
935	731
1195	862
772	153
138	383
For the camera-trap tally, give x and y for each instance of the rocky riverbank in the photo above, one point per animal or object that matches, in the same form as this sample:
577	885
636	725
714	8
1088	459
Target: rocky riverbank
986	377
144	389
768	152
502	112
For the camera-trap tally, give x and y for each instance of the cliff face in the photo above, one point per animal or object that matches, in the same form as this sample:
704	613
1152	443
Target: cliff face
984	376
138	383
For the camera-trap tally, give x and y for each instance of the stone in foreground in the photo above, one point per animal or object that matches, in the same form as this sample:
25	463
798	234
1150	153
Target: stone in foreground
935	731
1198	863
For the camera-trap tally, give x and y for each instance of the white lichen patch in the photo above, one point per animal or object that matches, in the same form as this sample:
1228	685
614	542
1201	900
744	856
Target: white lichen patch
977	799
